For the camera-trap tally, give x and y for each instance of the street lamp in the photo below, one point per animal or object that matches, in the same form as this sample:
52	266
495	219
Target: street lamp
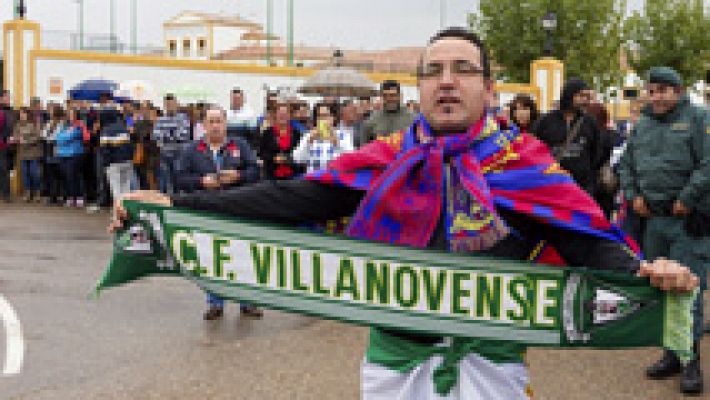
549	24
21	9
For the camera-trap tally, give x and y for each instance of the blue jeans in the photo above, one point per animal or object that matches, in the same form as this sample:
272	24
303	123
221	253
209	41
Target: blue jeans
30	175
166	171
216	301
70	167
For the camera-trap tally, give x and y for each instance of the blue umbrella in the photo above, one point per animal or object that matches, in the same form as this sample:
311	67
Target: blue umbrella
92	89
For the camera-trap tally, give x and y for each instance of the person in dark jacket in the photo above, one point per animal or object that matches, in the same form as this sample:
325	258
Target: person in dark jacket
583	154
116	153
214	163
276	146
7	122
665	175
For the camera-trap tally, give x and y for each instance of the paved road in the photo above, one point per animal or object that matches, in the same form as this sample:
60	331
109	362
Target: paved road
148	341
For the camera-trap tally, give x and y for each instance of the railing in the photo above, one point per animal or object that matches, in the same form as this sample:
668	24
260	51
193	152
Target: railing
98	42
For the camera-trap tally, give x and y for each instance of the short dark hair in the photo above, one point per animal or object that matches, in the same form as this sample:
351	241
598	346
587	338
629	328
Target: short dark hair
237	90
523	100
456	32
169	97
332	108
388	85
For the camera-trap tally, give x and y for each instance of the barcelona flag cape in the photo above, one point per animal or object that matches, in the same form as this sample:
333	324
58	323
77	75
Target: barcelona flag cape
381	277
490	166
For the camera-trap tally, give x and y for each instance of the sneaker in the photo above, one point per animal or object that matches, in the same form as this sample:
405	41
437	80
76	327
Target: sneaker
69	203
213	313
93	208
251	311
79	203
26	197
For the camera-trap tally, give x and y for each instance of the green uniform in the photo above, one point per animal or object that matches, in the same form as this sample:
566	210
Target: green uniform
668	159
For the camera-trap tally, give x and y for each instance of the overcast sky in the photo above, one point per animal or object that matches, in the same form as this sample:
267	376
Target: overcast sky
351	24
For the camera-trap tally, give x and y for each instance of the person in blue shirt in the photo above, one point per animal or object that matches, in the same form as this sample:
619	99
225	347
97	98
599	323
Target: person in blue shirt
69	140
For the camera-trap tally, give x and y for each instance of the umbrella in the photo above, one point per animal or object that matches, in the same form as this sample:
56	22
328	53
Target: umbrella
338	82
92	89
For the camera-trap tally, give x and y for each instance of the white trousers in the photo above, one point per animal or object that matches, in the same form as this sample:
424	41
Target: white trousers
120	176
478	378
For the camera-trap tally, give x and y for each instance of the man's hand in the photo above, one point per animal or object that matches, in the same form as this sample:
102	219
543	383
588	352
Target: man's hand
669	275
640	207
145	196
680	209
280	159
229	176
210	181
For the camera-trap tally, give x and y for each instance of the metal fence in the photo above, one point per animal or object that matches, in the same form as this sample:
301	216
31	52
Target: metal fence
99	42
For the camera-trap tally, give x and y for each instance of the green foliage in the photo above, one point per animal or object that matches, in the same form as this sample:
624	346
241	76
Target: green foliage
588	37
673	33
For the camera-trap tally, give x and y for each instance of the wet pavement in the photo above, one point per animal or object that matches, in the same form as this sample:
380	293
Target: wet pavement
147	340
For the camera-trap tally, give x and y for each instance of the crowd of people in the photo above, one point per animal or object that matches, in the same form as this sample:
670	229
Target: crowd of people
84	154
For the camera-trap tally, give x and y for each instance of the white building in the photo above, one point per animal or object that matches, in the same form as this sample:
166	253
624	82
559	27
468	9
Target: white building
199	35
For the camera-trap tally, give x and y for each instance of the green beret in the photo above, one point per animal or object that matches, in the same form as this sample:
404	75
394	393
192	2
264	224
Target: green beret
664	75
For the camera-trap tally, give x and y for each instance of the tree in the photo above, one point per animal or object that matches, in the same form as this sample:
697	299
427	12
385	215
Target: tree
588	37
673	33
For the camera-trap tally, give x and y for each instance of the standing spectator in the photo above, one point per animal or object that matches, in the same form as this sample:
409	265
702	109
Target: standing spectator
116	151
145	153
573	137
301	112
324	142
52	186
27	136
171	132
523	112
392	118
665	174
241	119
70	150
364	107
607	181
350	122
7	122
213	163
277	144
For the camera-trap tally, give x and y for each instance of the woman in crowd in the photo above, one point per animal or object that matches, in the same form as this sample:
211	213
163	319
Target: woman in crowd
324	142
52	175
27	135
69	138
523	112
607	182
277	143
145	157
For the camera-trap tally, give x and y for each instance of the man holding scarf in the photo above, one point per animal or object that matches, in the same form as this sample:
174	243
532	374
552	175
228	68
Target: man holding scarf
456	180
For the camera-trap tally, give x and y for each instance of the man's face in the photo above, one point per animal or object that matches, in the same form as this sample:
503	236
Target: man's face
5	99
662	97
237	100
452	90
376	103
581	100
215	126
282	115
171	106
349	114
391	99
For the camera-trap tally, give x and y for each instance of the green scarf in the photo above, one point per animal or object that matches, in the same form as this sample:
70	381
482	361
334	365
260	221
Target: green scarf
493	307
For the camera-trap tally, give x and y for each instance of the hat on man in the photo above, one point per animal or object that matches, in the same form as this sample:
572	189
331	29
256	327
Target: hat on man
664	76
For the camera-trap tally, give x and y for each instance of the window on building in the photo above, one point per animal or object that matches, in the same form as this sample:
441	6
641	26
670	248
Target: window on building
186	47
172	48
201	47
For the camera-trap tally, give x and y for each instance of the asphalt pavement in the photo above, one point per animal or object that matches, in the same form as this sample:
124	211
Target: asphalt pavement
147	340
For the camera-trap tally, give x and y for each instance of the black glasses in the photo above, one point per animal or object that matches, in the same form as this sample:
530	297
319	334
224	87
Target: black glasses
461	68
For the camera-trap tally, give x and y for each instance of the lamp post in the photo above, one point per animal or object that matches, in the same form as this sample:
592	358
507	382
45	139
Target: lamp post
80	23
20	11
549	24
112	27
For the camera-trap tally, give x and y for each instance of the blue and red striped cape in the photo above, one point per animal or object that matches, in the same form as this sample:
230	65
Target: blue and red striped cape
519	172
